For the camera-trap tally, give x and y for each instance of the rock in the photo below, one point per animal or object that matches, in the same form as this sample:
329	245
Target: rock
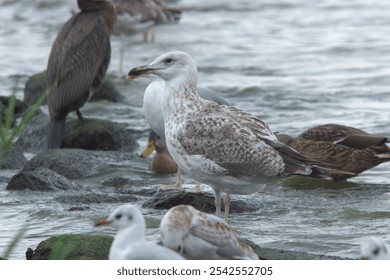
203	201
32	138
95	134
41	179
96	198
76	163
89	134
280	254
13	159
107	91
36	85
20	107
74	247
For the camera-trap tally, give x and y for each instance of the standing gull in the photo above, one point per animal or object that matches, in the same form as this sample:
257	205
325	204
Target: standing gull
348	148
231	150
142	15
152	106
78	62
198	235
129	242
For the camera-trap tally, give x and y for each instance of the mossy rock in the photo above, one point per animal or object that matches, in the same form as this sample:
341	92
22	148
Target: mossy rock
35	86
96	134
74	247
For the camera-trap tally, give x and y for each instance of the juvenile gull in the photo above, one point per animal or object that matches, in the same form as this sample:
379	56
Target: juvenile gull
152	106
129	242
142	15
198	235
231	150
374	248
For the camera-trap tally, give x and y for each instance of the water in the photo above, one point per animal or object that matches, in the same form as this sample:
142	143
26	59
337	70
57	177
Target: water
295	64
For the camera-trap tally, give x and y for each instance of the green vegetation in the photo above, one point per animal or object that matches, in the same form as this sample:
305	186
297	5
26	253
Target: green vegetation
8	131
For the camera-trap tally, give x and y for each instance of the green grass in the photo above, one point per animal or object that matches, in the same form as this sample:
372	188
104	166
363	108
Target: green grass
8	133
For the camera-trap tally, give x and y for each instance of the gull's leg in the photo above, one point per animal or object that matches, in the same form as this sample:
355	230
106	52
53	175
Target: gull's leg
121	56
227	206
218	203
197	187
177	185
153	34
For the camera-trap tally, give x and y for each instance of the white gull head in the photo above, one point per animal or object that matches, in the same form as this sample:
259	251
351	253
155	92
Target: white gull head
129	242
374	248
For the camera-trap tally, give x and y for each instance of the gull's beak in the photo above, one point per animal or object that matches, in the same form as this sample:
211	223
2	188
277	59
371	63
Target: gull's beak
140	71
148	149
102	223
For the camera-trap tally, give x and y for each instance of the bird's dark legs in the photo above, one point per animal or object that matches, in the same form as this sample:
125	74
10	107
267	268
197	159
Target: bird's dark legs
79	115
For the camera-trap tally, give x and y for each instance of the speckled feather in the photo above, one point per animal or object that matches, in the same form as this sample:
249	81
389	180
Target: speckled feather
347	148
201	236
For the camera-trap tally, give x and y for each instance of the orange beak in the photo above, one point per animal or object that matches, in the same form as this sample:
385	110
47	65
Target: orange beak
102	223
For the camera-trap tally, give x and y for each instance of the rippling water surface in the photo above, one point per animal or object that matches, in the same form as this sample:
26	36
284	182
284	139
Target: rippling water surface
295	64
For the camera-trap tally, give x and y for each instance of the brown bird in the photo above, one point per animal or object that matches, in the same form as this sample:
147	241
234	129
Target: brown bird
78	62
162	162
142	16
347	148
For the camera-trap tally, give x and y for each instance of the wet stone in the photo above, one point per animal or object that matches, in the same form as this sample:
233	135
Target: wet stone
41	179
203	201
88	134
76	163
73	247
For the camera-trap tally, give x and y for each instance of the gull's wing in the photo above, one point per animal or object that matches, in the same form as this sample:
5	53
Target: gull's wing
220	236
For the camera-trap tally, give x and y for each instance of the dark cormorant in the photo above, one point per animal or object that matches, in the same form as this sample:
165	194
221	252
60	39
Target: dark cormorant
78	62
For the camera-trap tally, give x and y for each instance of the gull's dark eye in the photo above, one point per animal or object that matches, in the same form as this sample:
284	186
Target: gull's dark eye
118	216
168	60
376	251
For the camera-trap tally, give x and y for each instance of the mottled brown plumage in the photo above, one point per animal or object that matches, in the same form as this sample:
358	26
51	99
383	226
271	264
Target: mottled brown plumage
222	146
198	235
347	148
78	62
148	10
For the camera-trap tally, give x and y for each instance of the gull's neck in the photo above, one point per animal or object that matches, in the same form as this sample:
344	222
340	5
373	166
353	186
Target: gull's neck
183	86
125	237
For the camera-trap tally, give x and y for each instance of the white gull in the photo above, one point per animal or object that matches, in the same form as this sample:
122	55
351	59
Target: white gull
129	242
374	248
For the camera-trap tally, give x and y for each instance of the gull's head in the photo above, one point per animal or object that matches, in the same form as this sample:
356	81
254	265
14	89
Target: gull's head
374	248
125	216
169	66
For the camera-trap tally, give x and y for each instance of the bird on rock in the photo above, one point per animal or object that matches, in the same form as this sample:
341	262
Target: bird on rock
227	148
78	62
198	236
152	107
129	242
